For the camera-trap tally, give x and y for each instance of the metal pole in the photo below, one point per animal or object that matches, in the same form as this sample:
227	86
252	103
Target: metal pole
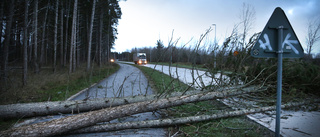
279	80
215	38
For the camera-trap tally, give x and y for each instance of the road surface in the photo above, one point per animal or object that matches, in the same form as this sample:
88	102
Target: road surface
127	81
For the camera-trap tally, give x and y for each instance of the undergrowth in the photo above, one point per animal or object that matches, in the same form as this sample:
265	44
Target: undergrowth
49	86
299	77
233	127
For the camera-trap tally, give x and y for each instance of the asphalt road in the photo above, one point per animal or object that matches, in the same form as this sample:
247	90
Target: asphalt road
127	81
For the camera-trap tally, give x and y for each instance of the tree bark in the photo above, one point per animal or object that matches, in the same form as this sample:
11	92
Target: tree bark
183	120
108	45
66	37
42	50
64	107
100	37
55	41
67	124
76	45
73	34
35	29
25	43
61	35
90	35
78	39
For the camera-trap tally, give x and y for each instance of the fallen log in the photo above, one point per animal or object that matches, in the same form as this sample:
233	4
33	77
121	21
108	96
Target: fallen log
183	120
70	123
24	110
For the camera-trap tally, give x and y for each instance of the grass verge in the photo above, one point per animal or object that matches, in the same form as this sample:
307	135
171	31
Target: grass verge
54	87
227	127
48	86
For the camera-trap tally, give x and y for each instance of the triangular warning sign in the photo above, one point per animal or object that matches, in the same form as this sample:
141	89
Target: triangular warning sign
267	44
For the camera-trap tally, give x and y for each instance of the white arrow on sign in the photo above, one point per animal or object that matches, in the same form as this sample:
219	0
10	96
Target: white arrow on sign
290	42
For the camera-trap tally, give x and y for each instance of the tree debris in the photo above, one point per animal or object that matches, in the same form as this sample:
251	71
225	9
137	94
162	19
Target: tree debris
70	123
24	110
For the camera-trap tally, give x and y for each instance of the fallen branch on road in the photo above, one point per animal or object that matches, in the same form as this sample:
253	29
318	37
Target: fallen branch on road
24	110
70	123
182	120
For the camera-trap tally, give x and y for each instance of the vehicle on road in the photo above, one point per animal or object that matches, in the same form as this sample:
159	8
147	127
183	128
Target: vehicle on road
140	58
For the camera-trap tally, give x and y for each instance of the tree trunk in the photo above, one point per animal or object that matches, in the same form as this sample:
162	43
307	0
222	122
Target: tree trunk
51	108
61	35
7	43
76	45
108	39
35	29
100	37
179	121
73	33
90	35
42	52
67	124
77	63
55	37
97	43
25	43
66	37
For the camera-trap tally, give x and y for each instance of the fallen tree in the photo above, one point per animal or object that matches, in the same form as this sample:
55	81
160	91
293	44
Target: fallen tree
182	120
24	110
70	123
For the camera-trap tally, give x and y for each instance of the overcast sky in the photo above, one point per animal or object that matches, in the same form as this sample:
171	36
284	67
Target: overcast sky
143	22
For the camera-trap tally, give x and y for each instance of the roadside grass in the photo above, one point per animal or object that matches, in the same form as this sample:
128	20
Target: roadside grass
59	86
63	89
161	82
49	86
233	126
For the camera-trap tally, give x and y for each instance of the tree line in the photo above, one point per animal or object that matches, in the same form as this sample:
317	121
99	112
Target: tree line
52	33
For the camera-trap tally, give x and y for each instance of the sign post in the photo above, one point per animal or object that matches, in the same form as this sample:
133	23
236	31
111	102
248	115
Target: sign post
272	45
279	80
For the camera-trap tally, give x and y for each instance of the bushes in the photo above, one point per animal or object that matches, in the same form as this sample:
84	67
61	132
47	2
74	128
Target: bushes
301	76
297	75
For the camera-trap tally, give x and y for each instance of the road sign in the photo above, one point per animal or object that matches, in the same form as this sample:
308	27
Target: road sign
266	46
278	40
